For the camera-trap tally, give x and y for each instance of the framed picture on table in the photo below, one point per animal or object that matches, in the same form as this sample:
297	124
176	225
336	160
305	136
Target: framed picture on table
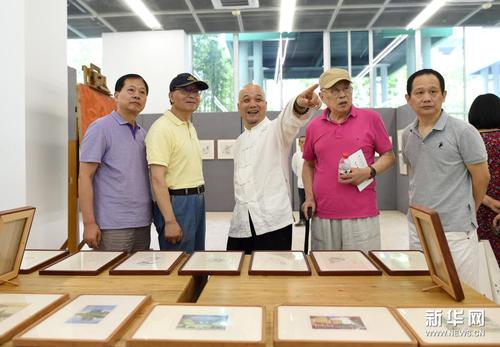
341	326
401	263
213	263
84	263
436	250
284	263
343	263
35	259
199	325
148	263
15	226
88	320
18	311
453	326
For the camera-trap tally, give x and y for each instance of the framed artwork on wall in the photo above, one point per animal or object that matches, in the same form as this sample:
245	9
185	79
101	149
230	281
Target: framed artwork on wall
84	263
343	263
287	263
403	168
436	250
207	149
18	311
401	263
15	226
88	320
225	149
213	263
453	326
148	263
199	325
338	326
35	259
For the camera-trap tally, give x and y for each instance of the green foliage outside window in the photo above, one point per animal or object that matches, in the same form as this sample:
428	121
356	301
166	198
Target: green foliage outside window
212	63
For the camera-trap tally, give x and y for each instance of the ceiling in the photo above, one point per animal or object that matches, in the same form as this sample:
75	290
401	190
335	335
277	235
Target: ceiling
91	18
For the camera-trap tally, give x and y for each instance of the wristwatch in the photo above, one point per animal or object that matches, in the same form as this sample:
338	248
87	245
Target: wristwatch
373	172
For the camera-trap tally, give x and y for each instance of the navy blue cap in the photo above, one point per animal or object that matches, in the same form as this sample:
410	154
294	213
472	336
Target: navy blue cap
186	79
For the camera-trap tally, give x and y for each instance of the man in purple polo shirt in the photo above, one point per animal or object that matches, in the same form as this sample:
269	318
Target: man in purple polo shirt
114	183
344	217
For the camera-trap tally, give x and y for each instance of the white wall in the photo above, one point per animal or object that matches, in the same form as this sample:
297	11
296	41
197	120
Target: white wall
35	148
158	56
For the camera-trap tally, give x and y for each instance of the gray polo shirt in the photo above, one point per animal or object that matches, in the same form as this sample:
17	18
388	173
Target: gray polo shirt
439	178
122	198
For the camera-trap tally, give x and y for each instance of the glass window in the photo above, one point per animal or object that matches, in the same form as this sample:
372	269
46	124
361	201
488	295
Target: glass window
83	52
359	61
212	62
482	62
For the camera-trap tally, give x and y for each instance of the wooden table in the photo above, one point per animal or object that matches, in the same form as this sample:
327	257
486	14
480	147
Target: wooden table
165	289
271	291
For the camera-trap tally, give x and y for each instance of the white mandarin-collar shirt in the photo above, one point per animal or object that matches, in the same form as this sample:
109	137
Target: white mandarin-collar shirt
261	174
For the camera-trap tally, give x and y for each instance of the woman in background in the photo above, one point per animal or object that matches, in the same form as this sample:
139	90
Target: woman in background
484	114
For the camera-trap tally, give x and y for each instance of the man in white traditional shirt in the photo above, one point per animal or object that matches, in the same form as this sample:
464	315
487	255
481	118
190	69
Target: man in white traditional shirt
262	217
297	165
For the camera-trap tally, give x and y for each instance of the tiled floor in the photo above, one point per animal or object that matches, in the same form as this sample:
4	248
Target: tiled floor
394	231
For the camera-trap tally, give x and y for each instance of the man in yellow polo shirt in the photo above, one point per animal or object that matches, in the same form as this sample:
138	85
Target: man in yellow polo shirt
174	158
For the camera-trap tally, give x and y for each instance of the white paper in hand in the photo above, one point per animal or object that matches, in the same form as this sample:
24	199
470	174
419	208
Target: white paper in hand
358	160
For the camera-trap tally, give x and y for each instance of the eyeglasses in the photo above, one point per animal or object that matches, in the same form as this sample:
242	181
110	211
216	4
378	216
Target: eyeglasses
189	91
335	91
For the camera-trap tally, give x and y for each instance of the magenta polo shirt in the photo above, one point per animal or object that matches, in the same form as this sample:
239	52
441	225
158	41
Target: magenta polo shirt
325	142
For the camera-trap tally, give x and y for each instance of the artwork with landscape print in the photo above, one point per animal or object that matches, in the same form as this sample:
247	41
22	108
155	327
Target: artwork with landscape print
183	325
148	263
17	311
88	320
279	263
213	263
344	263
401	262
307	326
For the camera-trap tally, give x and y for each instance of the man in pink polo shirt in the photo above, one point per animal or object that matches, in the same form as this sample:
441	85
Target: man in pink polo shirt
343	216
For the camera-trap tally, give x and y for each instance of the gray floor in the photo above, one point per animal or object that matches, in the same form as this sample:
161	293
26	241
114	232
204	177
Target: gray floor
393	229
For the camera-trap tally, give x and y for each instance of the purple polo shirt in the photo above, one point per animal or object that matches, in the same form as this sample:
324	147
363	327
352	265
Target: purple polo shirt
325	142
122	197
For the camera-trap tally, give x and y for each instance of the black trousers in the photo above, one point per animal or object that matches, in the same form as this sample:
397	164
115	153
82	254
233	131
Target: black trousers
302	198
280	239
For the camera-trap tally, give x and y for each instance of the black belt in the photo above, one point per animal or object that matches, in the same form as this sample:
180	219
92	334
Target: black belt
187	191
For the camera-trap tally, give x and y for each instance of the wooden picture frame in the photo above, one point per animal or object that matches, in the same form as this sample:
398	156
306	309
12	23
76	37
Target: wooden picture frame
226	263
148	263
344	263
279	263
83	263
401	262
454	332
436	250
88	320
18	311
15	226
342	326
185	325
35	259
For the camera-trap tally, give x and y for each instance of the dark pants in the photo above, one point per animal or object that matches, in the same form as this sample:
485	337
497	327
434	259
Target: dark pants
280	239
302	198
189	211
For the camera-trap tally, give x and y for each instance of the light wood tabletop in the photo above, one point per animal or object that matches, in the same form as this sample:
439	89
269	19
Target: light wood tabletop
164	289
384	290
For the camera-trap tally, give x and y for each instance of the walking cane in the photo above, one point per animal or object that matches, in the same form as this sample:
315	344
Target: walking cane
308	222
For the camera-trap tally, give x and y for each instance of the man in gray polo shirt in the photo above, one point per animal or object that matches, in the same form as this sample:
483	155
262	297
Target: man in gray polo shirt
448	170
113	183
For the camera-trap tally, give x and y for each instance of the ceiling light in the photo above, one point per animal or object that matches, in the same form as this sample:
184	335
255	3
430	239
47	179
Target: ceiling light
427	13
286	15
144	13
